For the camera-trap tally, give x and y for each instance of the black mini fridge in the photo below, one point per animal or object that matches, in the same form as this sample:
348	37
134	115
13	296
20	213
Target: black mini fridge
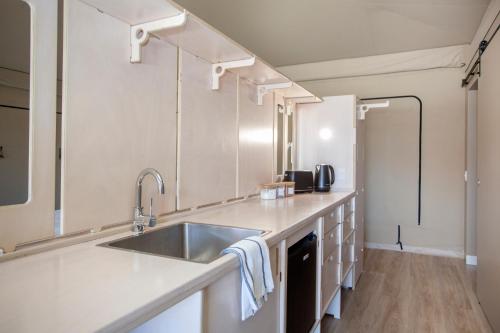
301	285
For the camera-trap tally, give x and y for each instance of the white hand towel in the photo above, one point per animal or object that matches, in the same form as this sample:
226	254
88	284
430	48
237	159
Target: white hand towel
256	274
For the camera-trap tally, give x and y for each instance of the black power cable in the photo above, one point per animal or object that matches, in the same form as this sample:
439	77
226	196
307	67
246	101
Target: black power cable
13	107
419	146
399	238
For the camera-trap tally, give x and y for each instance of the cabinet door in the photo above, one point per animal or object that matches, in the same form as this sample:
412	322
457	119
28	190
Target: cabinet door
186	317
223	304
330	278
488	210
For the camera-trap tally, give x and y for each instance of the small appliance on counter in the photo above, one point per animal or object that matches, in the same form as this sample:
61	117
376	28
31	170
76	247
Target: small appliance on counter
303	180
324	178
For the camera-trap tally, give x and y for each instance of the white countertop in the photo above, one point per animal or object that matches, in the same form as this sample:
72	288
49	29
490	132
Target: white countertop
85	288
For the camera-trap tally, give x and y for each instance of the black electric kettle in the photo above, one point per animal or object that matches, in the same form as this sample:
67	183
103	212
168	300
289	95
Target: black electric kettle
324	178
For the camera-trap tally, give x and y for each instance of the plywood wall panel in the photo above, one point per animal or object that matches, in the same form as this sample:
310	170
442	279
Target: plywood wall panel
208	135
118	119
255	152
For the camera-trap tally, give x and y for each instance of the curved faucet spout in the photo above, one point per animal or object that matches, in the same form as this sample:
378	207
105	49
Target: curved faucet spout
159	180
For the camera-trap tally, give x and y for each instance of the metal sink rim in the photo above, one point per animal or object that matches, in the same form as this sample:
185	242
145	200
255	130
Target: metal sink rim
107	244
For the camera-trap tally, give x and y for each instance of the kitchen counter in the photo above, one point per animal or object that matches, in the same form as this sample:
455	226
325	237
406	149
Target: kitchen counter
84	287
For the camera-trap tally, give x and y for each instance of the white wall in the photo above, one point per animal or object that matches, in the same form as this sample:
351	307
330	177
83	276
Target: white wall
392	203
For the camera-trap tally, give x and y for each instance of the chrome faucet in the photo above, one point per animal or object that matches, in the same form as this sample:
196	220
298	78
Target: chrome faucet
141	220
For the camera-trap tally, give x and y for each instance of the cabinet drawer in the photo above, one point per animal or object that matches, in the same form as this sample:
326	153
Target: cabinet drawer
348	250
331	241
330	279
348	207
347	227
331	219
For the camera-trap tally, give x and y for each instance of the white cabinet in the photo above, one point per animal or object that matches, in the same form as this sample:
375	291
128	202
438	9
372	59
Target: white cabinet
342	247
186	316
330	272
222	305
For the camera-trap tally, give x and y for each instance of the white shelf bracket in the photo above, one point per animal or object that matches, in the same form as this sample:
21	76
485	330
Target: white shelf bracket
140	33
364	108
263	89
219	69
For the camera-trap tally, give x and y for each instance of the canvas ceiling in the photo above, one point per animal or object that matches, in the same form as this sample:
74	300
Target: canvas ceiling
286	32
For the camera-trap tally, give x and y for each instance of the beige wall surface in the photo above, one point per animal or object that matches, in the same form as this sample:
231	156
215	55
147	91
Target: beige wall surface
391	154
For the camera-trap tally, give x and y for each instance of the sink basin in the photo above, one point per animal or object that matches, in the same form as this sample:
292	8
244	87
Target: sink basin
188	241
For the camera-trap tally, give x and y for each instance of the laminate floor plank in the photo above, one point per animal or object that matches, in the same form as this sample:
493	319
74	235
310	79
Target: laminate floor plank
406	292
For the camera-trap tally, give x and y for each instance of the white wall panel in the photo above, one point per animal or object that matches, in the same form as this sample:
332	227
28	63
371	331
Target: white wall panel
118	119
326	134
255	152
208	135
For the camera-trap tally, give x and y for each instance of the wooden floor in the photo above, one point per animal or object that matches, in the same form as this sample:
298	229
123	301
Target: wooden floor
405	292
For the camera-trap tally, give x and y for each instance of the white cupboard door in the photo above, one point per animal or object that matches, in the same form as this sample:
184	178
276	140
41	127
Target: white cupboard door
223	304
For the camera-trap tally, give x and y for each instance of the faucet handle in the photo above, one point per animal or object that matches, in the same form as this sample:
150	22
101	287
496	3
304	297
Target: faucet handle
138	228
152	221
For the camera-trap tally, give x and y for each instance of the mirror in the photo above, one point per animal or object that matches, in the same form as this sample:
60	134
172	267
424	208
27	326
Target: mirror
15	53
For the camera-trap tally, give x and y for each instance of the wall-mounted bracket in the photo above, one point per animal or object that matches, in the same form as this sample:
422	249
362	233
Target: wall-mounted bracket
140	33
219	69
364	108
263	89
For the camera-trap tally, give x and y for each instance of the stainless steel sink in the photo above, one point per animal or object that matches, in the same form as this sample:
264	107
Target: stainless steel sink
189	241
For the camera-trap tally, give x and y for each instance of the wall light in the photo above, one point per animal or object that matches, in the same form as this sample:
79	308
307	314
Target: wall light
325	134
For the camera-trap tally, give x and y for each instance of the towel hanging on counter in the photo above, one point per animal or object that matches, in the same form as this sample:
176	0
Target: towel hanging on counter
256	274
